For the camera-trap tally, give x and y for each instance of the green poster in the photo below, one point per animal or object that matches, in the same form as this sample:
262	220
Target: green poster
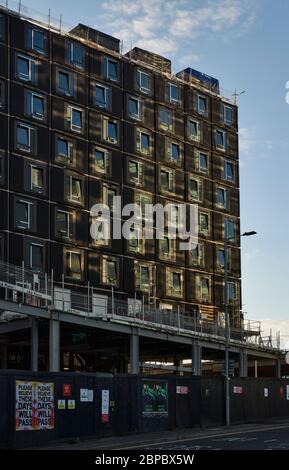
154	399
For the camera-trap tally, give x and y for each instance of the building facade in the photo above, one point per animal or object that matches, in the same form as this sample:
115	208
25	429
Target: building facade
81	123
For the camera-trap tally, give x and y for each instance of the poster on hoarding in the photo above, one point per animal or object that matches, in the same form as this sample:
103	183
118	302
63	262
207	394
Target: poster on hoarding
104	406
34	406
155	399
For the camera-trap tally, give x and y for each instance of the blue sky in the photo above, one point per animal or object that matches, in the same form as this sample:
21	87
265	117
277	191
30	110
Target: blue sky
244	44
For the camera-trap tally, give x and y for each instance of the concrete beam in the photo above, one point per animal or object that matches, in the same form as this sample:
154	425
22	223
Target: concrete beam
15	325
54	345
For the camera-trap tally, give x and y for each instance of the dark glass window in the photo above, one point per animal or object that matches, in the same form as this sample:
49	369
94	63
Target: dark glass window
25	69
23	136
73	264
144	143
62	223
204	223
220	139
221	257
221	197
63	148
76	55
143	81
202	105
37	178
111	194
76	120
194	188
203	161
37	40
65	83
101	160
2	93
230	229
194	130
112	131
35	106
165	118
1	27
134	171
111	69
36	257
102	96
134	108
174	93
75	189
232	295
23	214
228	115
176	281
175	152
229	171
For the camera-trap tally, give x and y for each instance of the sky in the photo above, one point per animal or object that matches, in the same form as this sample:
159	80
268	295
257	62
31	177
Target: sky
244	44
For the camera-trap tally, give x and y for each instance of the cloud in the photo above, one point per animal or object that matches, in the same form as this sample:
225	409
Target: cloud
250	145
168	27
275	326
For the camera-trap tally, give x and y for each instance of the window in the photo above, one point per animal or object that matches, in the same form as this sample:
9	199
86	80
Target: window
229	171
101	160
110	131
109	272
143	81
144	278
111	69
134	108
23	214
36	257
166	119
195	189
25	68
175	153
228	115
135	240
143	200
204	223
232	292
135	172
202	105
102	96
230	226
37	179
221	258
220	139
174	283
197	255
222	198
75	189
167	248
65	83
205	289
63	224
24	136
75	116
167	180
109	193
64	148
194	130
144	143
76	55
174	93
35	106
73	264
36	40
203	162
1	168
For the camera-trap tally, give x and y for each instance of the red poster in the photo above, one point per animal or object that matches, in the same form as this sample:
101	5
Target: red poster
66	390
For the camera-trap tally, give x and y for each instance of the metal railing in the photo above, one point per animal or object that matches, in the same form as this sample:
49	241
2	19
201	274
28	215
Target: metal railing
24	286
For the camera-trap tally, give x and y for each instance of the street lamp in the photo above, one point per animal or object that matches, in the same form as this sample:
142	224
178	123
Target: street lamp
227	377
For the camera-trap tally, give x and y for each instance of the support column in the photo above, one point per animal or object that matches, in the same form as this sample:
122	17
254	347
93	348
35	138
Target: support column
54	345
243	364
256	369
34	344
134	353
278	367
196	358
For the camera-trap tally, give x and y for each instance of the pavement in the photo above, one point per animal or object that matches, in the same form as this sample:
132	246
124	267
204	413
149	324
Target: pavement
272	435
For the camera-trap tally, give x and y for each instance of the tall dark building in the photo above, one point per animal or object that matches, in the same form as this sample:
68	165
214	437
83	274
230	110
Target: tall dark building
81	123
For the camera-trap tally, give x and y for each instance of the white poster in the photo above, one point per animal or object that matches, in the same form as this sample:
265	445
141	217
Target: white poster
266	392
34	406
287	392
86	395
105	402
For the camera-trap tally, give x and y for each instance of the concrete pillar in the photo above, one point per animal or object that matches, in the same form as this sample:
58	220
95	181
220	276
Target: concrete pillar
243	364
34	344
54	345
256	368
196	358
134	353
3	357
278	367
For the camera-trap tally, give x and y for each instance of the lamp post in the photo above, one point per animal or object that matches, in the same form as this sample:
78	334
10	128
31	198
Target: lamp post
227	336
